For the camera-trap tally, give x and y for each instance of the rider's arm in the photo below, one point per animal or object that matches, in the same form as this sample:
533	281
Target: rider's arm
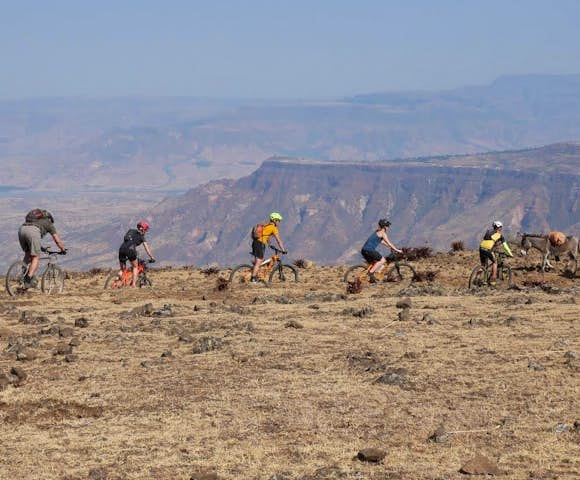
385	241
148	250
58	242
279	240
507	249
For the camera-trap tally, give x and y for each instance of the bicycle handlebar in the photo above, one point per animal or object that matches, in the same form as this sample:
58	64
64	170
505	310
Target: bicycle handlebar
48	251
277	250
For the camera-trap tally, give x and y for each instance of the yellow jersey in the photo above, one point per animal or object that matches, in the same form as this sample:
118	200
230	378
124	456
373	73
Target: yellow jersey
268	230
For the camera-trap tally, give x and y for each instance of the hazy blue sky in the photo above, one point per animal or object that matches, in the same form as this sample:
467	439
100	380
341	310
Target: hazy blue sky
275	48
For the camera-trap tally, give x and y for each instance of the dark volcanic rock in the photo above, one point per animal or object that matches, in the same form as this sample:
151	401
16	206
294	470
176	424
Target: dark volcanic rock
404	303
207	344
81	322
373	455
395	376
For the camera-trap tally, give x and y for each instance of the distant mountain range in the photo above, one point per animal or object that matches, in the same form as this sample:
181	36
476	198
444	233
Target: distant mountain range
177	143
331	207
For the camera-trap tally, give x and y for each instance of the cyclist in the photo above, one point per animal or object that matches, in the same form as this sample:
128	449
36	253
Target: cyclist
261	234
37	224
128	250
369	249
491	240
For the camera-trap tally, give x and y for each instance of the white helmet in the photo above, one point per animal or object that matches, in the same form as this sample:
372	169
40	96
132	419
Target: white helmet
497	224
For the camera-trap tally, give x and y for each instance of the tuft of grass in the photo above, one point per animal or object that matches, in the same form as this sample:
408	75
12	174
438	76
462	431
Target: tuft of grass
354	287
427	276
97	271
211	270
416	253
221	284
300	263
457	246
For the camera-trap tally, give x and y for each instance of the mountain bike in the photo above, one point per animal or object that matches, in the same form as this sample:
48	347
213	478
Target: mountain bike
52	278
480	275
271	271
393	274
126	279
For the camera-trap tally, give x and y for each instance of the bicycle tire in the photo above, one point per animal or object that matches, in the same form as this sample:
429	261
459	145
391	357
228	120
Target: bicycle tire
399	276
357	272
504	276
113	280
283	274
143	281
477	279
52	281
14	278
240	275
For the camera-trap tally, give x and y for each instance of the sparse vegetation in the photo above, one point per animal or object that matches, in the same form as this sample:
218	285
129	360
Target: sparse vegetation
354	287
457	246
221	284
416	253
300	263
211	270
427	276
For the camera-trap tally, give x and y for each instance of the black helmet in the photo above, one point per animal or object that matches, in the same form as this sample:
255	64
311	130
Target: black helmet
383	222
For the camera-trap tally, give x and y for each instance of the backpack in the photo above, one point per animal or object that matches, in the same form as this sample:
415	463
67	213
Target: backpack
38	214
258	230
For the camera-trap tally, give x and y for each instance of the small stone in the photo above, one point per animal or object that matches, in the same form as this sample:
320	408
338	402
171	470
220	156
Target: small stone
63	349
185	338
26	354
52	330
167	354
66	331
536	366
404	315
562	428
82	322
439	435
429	319
572	355
395	376
4	381
404	303
372	455
71	358
293	324
207	344
204	475
97	474
480	465
19	373
75	342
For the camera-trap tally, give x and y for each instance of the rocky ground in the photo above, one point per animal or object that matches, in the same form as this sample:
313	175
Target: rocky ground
300	381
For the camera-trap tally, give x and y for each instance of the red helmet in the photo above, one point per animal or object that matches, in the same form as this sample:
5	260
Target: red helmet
143	225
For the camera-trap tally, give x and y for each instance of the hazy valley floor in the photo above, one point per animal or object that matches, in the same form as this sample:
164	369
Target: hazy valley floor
282	382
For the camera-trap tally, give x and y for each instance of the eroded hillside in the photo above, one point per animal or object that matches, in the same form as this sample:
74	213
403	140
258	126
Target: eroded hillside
291	382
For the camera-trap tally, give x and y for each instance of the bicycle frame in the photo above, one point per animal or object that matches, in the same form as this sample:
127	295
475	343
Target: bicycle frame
127	275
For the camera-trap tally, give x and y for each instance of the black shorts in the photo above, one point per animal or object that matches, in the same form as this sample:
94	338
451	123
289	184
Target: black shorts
485	255
371	256
127	254
258	249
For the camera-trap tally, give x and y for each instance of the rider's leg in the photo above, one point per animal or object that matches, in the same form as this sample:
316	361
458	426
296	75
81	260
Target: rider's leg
135	266
258	251
377	265
34	260
493	277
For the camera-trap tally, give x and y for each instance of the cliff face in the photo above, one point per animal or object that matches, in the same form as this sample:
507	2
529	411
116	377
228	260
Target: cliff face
330	208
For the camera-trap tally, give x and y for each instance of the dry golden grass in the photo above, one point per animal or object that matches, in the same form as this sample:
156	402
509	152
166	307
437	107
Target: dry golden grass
276	401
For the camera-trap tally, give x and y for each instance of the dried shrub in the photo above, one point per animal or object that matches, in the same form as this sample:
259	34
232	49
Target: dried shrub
221	284
457	246
211	270
354	287
300	263
416	253
427	276
97	271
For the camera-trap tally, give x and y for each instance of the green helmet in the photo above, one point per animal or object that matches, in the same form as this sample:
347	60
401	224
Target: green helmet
275	216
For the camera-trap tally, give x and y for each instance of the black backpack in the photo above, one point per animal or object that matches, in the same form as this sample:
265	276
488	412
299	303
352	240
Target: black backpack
38	214
131	235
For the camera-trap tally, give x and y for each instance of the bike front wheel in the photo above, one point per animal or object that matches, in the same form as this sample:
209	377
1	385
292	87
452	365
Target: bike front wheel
240	275
283	274
15	278
399	276
477	279
52	280
504	276
358	272
144	282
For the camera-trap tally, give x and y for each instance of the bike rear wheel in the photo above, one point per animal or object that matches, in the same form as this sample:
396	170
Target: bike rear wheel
15	278
283	274
52	280
241	275
399	276
358	272
113	281
478	278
